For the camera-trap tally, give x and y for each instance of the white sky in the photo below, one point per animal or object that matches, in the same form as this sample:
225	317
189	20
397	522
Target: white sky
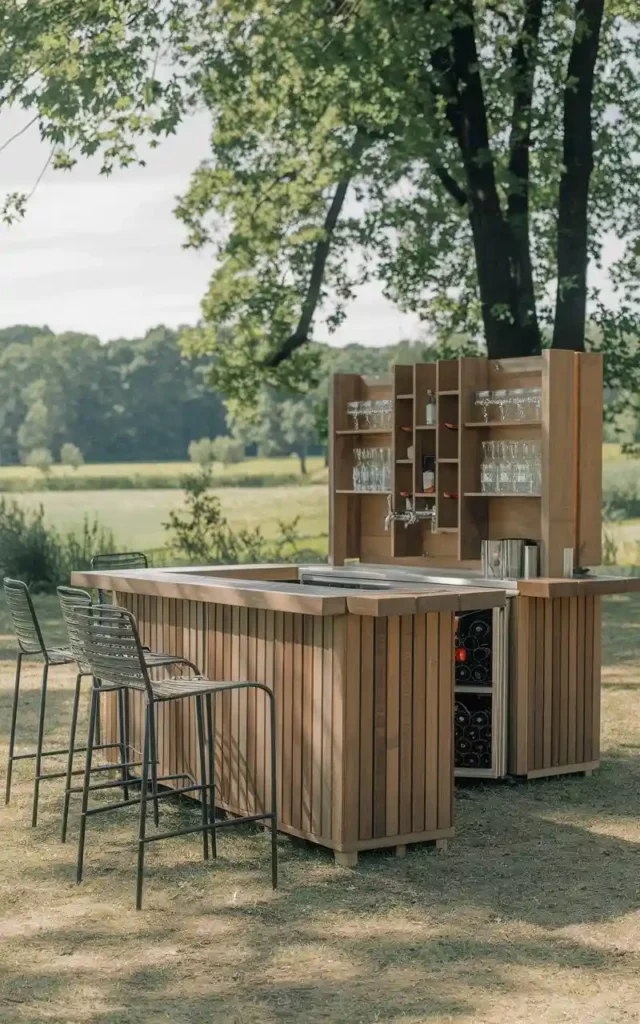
103	254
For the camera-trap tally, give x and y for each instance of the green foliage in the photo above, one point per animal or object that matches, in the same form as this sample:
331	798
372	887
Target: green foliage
203	534
621	490
202	452
39	458
42	557
70	455
277	424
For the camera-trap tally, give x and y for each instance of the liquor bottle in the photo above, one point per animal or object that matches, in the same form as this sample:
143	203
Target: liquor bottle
428	474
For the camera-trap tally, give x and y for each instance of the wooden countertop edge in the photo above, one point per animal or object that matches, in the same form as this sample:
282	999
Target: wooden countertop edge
285	572
578	588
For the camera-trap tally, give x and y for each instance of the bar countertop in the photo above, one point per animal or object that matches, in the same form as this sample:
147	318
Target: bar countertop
277	588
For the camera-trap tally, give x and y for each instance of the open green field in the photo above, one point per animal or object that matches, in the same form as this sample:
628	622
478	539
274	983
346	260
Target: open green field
533	917
136	517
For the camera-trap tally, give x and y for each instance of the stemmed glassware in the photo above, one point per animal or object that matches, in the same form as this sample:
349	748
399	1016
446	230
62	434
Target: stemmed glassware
517	404
370	415
372	469
511	467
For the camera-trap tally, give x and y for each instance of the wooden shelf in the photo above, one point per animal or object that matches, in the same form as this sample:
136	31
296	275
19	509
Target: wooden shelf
462	688
426	426
364	430
404	462
405	398
364	492
446	529
424	494
492	494
448	392
452	461
503	423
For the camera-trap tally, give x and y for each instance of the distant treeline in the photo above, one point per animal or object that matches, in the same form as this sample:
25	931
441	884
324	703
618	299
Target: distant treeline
130	400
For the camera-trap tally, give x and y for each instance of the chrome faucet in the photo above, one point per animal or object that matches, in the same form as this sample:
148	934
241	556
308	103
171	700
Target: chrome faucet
410	515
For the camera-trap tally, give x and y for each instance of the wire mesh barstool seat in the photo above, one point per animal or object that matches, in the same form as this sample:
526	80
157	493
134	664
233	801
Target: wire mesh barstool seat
71	598
31	643
113	650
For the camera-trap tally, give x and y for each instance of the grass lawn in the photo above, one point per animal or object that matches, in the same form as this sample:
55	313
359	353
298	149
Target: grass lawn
136	517
533	917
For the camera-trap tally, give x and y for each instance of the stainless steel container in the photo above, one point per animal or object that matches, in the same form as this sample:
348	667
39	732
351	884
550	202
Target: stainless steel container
512	558
530	569
491	559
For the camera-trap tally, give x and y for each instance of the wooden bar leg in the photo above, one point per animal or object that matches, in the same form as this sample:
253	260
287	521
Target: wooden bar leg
442	844
400	851
346	860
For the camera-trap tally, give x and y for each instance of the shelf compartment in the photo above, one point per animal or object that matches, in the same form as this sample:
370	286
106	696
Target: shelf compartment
359	493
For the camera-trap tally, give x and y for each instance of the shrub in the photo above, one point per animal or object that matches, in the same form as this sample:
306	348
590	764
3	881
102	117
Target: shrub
228	450
39	458
70	455
202	452
204	535
39	555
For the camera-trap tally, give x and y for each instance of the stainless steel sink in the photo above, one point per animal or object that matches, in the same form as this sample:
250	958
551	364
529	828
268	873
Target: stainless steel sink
385	577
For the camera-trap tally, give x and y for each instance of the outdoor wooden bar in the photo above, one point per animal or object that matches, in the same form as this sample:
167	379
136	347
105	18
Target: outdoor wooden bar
364	697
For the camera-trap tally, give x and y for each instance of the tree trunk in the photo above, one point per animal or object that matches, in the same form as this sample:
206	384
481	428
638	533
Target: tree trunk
302	456
573	205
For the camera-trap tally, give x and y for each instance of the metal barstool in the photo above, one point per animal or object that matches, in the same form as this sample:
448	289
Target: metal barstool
31	644
114	652
114	561
70	599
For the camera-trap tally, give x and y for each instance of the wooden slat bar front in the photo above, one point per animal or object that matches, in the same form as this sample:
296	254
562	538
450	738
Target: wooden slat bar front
364	716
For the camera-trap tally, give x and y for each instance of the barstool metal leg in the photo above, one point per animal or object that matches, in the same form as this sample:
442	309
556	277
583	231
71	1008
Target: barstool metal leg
123	742
211	738
12	733
87	781
274	796
203	778
72	743
36	782
142	827
153	748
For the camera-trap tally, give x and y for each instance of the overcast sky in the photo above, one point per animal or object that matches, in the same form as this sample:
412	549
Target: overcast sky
104	255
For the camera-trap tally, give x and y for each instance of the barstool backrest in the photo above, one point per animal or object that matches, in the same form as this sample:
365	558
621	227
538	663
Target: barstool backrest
118	560
112	647
70	599
24	618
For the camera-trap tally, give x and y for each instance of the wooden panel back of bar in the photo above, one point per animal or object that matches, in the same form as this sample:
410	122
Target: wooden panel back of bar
364	717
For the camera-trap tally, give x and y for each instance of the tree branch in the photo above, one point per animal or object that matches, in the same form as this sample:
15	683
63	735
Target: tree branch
453	188
301	334
573	203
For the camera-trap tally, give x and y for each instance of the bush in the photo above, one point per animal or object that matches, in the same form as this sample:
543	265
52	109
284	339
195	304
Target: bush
78	482
202	452
70	455
228	451
204	535
39	458
621	490
39	555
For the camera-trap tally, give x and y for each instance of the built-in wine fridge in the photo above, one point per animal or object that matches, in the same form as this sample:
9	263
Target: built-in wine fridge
481	652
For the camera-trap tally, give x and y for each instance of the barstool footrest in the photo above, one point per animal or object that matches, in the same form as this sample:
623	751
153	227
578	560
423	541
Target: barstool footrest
61	753
137	800
212	826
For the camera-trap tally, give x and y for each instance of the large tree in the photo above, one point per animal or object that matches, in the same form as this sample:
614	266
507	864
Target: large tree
473	156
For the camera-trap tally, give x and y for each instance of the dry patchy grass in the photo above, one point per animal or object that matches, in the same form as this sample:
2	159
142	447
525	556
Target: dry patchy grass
532	917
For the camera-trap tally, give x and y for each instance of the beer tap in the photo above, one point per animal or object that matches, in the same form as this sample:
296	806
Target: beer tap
410	515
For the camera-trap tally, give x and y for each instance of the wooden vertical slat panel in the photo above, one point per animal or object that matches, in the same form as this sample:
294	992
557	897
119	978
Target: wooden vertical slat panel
580	679
243	673
296	739
218	670
532	685
445	722
307	724
548	684
351	747
588	684
589	541
559	409
556	614
564	682
250	702
327	726
227	703
380	728
279	690
539	684
261	715
318	726
571	640
406	716
365	830
339	679
419	711
522	685
287	732
432	720
393	725
596	678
